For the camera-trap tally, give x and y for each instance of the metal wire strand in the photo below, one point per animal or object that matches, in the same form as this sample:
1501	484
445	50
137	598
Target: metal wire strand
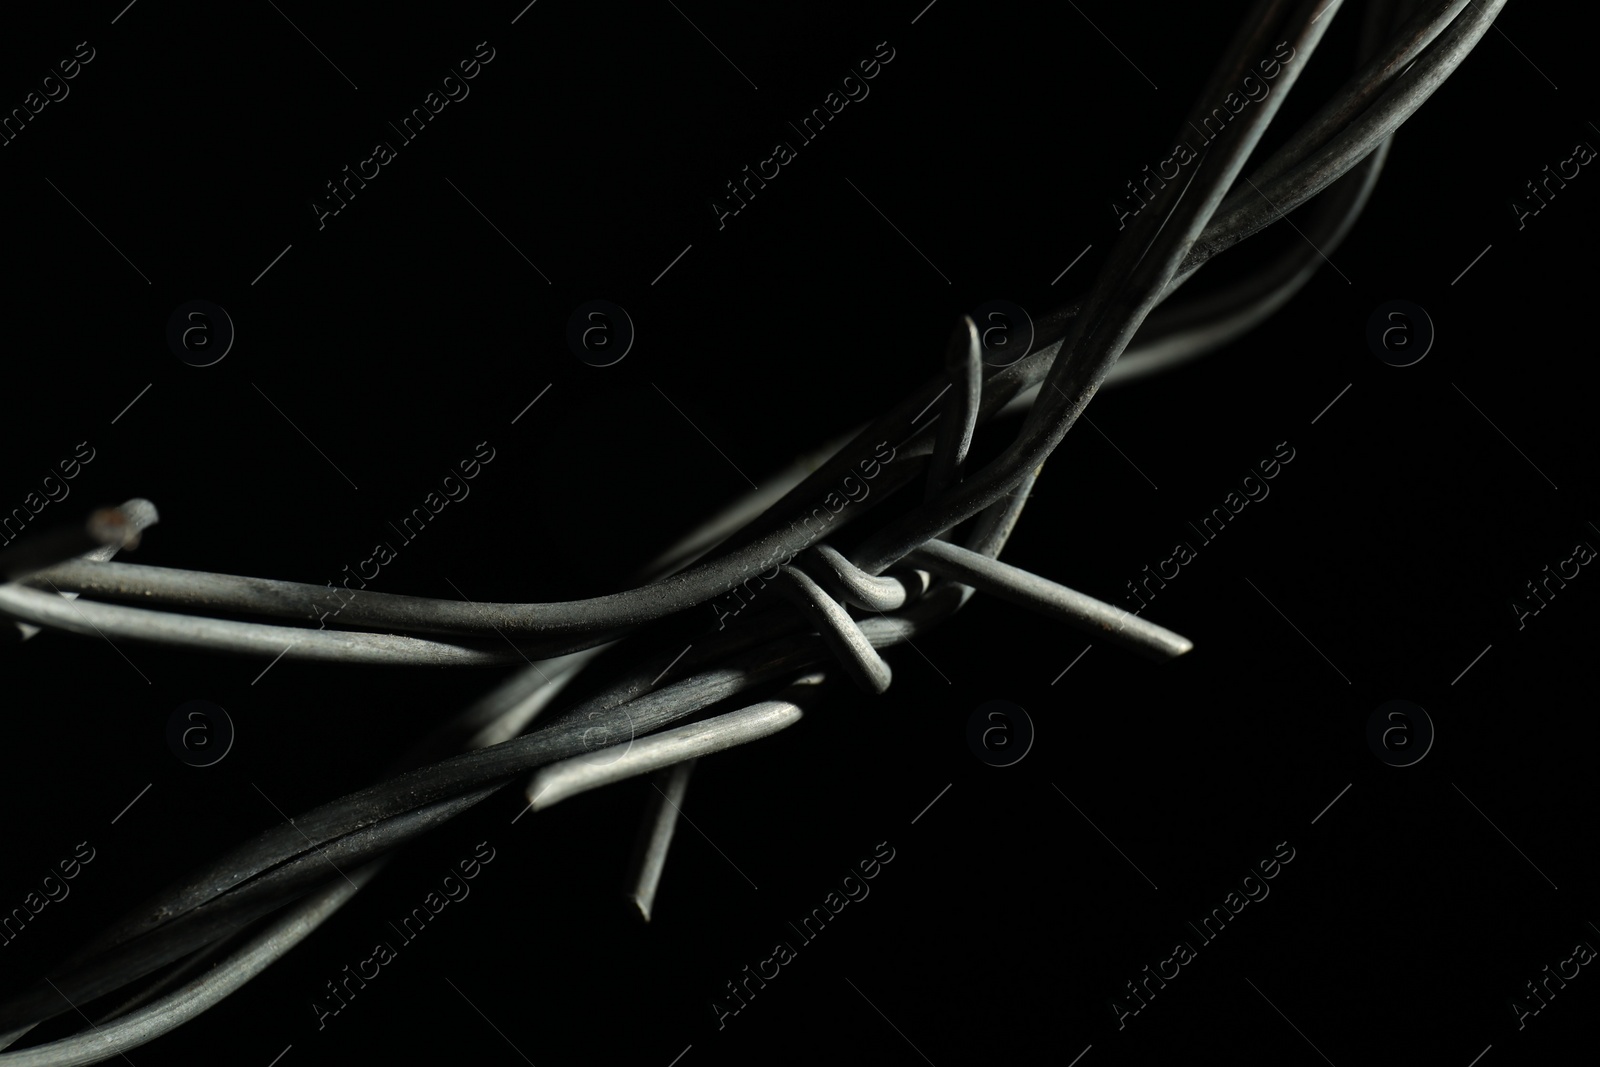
131	960
569	777
1183	331
199	995
1374	76
1248	211
93	619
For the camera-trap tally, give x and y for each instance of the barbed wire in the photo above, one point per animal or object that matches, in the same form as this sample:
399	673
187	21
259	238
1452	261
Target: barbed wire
832	609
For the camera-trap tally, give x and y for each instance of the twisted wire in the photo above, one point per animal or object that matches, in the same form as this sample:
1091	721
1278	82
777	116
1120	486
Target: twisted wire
932	577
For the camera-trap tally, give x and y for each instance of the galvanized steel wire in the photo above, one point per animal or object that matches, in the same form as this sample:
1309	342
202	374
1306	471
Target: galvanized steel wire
756	678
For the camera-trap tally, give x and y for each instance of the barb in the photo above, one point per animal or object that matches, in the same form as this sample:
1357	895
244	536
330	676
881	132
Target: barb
655	834
1019	587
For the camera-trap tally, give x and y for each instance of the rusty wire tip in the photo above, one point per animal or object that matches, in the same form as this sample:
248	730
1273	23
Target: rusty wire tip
110	526
97	539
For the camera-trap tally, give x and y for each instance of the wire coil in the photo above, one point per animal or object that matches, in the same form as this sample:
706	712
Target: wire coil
832	609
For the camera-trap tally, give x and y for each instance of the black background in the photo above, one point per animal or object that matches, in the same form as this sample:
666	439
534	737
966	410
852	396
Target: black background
409	329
